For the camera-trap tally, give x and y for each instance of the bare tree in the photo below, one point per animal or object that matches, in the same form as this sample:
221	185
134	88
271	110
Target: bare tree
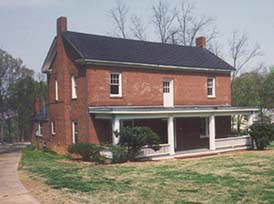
163	19
138	29
240	52
190	26
119	15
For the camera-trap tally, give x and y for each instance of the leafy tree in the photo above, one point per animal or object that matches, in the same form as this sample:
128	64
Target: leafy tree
262	134
135	138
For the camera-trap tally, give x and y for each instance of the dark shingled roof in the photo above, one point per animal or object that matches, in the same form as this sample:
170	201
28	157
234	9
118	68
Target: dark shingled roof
97	47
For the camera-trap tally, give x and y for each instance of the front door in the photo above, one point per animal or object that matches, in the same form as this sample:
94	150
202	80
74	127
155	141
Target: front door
168	93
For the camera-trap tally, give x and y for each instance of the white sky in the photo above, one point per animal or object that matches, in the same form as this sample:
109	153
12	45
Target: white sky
28	26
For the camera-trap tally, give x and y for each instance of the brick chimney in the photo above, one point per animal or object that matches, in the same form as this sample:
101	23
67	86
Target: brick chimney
201	42
37	105
61	24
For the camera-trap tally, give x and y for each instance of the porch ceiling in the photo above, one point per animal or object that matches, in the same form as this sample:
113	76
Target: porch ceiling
160	111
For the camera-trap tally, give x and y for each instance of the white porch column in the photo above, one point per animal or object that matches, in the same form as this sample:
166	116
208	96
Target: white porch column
170	132
251	119
115	127
212	132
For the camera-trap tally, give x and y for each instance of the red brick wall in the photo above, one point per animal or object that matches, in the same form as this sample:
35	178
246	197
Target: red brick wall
144	87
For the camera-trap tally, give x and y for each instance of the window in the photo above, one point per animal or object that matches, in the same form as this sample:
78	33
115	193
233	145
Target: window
211	87
56	90
115	84
74	132
38	131
53	131
204	133
73	88
166	87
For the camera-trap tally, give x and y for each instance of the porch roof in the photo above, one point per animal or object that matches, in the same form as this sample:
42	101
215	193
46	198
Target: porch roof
167	111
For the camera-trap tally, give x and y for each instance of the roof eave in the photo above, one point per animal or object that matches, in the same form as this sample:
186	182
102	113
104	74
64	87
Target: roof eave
149	66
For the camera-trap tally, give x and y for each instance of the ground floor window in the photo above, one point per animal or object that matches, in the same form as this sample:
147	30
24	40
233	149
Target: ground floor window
74	132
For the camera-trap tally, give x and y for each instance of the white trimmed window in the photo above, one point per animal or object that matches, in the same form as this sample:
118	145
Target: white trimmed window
74	132
56	90
211	87
73	88
204	132
115	84
53	130
166	86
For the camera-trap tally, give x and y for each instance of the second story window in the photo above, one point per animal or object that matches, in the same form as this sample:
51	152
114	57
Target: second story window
73	88
56	90
115	84
211	87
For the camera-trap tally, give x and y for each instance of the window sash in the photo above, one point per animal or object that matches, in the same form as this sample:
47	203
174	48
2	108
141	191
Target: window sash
75	132
73	87
115	84
166	87
211	87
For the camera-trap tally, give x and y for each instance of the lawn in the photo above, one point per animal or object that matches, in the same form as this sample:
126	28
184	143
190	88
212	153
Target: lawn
242	177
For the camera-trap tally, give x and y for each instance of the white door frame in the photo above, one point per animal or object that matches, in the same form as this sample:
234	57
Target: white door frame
168	92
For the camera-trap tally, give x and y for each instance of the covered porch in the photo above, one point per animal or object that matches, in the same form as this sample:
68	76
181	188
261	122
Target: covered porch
182	129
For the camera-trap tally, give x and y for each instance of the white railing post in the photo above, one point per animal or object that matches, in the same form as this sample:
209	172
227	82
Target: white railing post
115	127
170	130
212	132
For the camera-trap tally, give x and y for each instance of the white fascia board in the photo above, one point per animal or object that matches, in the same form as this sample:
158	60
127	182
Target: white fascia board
148	66
179	113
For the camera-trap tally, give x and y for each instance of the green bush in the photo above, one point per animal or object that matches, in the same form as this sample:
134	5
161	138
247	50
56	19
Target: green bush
135	138
88	152
262	134
119	154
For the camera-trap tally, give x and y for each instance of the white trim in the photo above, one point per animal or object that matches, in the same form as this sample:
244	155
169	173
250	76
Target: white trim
38	131
56	90
192	112
170	132
212	132
73	87
143	65
213	87
206	129
115	127
119	84
53	126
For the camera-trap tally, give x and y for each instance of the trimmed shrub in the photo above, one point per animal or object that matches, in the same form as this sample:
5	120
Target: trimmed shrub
135	138
262	134
119	154
88	152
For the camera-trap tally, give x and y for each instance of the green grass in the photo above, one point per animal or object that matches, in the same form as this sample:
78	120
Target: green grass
235	178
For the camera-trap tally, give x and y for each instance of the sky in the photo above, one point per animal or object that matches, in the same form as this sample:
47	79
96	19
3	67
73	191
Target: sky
29	26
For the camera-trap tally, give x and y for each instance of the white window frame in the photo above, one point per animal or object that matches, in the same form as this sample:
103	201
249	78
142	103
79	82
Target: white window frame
213	87
56	90
73	131
119	84
206	129
73	87
53	127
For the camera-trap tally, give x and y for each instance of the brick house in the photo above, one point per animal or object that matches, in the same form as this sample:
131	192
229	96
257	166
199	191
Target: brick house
98	84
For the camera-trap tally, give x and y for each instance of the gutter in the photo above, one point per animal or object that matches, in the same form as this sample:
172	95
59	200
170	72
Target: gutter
148	66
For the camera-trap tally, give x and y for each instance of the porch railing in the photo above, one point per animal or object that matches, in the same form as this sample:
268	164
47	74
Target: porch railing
231	142
150	152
